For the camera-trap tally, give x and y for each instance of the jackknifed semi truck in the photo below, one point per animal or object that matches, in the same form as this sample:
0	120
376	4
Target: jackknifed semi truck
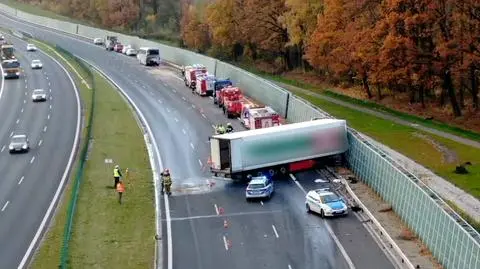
277	150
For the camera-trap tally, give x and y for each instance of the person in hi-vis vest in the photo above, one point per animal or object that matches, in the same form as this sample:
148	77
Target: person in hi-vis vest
116	175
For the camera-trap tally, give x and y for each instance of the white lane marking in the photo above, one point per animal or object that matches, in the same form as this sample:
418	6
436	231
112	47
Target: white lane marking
143	86
21	180
11	134
213	126
203	115
225	242
50	107
40	142
3	148
50	90
298	184
25	93
330	231
18	120
3	83
5	206
183	131
261	202
193	106
200	162
48	116
49	84
32	160
168	110
26	86
21	111
46	78
48	213
51	97
24	101
45	128
290	267
216	209
160	101
184	99
191	145
176	119
275	231
173	90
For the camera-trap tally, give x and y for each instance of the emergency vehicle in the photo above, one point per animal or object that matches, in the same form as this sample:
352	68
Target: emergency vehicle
191	72
258	117
232	105
205	85
226	93
219	85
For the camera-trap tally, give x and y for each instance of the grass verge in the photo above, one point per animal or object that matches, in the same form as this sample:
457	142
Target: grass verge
475	224
406	140
105	233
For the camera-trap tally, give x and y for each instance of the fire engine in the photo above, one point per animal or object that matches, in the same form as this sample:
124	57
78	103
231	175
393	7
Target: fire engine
205	85
257	117
191	73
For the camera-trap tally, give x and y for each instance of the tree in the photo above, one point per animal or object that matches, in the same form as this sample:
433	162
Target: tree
195	33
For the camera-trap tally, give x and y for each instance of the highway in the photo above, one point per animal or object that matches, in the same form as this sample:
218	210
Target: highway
30	180
273	234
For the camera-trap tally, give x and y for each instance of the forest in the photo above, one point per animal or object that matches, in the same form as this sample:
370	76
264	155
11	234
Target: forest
427	51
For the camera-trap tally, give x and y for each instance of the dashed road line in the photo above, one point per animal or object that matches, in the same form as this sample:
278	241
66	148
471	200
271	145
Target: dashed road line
50	107
50	90
5	206
40	142
203	115
49	84
45	128
48	116
168	110
21	180
275	231
18	120
11	134
225	243
184	99
160	101
261	202
174	91
24	101
32	160
216	209
298	184
51	97
21	111
143	86
3	148
25	93
176	119
290	267
193	106
200	162
26	86
191	145
183	131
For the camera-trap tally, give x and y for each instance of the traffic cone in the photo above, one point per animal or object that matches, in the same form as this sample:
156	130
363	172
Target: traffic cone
225	224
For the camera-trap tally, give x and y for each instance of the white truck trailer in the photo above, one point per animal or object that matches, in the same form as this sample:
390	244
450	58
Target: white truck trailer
280	149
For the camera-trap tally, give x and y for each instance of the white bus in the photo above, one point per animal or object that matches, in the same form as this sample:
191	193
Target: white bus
148	56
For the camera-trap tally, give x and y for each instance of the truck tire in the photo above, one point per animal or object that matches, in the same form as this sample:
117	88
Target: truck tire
283	170
271	172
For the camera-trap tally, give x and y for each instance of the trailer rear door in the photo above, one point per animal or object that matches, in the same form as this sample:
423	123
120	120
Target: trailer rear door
225	154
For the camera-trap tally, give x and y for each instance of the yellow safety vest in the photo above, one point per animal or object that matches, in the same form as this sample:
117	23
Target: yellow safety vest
115	173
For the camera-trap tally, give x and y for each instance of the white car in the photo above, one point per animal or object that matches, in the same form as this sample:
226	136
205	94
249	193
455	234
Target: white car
98	41
36	64
125	48
31	47
325	203
131	52
39	95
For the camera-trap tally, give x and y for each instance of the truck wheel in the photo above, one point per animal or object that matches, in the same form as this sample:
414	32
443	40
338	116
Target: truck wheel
283	170
308	208
322	214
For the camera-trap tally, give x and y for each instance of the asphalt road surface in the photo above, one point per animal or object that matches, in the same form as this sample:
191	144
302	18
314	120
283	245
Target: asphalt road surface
30	180
274	234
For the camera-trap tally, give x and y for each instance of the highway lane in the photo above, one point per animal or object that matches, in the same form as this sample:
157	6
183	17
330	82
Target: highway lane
30	180
179	119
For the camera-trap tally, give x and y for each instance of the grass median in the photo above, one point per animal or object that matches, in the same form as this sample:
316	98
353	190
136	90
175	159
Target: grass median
105	233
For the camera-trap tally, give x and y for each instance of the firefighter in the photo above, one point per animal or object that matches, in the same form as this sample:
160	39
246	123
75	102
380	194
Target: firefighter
116	176
220	129
166	181
229	128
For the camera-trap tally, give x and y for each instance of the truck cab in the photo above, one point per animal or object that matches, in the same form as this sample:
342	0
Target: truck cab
218	86
191	73
205	85
232	105
228	93
257	117
110	42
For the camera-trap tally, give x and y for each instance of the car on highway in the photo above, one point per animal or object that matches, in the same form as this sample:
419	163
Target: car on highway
31	47
39	95
36	64
98	41
131	52
326	203
125	48
259	187
19	143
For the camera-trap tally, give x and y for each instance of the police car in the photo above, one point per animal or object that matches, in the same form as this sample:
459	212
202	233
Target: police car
326	203
259	187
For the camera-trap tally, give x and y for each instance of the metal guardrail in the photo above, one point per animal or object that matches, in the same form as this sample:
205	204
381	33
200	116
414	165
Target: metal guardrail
453	242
